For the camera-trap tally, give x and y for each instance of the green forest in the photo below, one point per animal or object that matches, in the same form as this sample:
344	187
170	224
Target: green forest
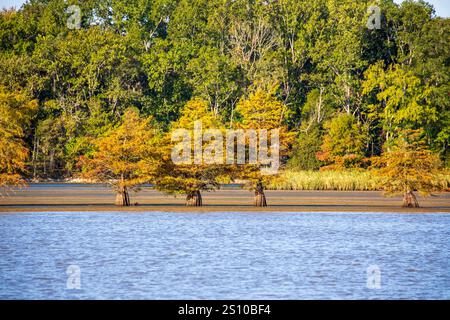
350	96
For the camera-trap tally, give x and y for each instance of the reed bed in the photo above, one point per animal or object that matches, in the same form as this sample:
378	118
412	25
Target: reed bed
338	180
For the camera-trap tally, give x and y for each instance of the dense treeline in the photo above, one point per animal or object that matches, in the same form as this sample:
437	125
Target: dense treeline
348	91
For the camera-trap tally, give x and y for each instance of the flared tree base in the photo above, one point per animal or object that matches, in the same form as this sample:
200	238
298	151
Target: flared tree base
194	199
260	199
410	200
122	198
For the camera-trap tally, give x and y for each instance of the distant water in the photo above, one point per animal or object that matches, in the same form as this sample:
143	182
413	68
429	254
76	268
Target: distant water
158	255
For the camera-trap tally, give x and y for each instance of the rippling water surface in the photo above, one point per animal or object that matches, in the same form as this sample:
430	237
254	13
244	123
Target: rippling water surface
224	255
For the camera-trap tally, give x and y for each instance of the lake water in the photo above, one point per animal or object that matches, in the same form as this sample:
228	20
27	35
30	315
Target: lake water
158	255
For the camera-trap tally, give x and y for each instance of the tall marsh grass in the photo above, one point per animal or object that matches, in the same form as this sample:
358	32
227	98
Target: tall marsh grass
337	180
442	181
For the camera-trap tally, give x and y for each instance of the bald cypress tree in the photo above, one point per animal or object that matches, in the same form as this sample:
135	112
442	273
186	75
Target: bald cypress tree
124	157
408	167
262	111
16	111
196	160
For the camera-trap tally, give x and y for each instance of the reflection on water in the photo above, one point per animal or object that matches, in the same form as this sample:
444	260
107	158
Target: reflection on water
223	255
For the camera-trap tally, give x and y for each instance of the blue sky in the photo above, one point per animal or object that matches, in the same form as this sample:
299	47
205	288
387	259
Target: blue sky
442	6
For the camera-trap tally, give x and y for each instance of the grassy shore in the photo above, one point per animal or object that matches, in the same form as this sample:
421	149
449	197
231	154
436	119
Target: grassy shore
338	180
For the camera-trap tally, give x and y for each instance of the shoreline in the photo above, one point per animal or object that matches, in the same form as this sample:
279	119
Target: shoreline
90	198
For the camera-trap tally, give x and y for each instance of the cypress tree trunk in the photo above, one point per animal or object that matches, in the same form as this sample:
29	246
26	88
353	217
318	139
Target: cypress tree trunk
194	199
122	197
260	197
410	200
